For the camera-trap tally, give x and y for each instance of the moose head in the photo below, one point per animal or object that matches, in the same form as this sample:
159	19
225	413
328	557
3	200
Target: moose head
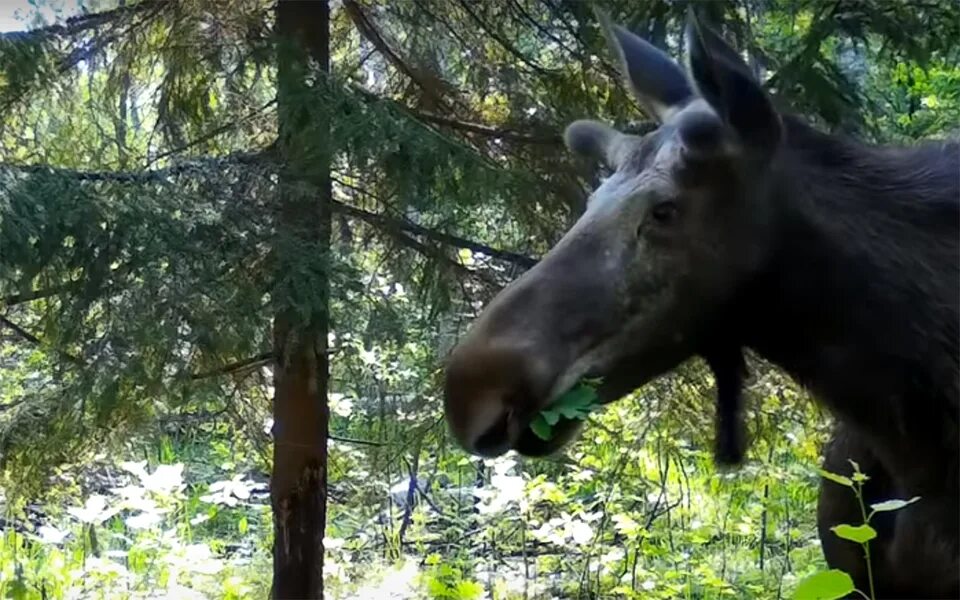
640	283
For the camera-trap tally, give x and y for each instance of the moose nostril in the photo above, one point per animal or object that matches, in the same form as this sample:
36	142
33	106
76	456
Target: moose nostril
496	439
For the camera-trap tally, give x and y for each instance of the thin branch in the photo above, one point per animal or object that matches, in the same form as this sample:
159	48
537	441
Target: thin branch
387	221
78	55
431	85
511	134
23	297
382	220
433	253
503	42
35	340
12	404
80	23
139	176
247	363
487	130
344	440
211	134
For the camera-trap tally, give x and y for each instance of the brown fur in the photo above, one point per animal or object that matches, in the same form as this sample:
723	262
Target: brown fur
733	226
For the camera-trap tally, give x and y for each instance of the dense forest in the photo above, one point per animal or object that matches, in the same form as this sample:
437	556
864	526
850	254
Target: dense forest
238	238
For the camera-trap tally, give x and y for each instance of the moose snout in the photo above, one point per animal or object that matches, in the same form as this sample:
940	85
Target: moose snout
492	390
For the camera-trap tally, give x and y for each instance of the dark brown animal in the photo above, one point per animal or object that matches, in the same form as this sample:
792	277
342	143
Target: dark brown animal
736	226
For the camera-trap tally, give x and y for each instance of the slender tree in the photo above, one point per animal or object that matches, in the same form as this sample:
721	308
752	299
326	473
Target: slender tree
301	416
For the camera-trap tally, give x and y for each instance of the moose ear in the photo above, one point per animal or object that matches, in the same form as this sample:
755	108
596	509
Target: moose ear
594	140
725	82
657	81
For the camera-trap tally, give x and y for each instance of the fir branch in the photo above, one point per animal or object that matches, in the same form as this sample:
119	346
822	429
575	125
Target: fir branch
240	365
35	340
211	134
85	51
139	176
506	45
424	249
432	86
510	134
24	297
82	23
12	404
387	221
379	219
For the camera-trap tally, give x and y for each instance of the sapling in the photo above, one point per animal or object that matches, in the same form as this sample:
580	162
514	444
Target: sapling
834	583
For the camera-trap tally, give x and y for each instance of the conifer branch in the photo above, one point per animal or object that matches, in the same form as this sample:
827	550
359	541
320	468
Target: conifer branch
388	222
81	23
23	333
23	297
432	86
211	134
490	131
240	365
379	219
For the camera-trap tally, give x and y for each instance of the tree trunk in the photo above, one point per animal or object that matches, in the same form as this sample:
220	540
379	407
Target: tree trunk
298	487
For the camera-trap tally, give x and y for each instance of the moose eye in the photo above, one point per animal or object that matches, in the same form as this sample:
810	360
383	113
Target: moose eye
664	213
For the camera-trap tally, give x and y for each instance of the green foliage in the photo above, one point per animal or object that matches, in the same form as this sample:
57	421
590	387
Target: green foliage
860	534
445	582
835	583
576	403
825	585
152	520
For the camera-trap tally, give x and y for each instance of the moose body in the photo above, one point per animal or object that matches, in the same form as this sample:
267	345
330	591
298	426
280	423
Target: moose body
735	226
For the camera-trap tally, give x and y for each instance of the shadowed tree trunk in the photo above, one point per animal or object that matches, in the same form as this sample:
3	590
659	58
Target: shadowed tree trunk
298	486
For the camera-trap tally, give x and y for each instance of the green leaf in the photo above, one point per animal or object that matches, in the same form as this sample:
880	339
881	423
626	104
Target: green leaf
580	396
577	403
550	416
855	533
468	590
572	412
836	478
17	590
437	588
825	585
858	475
889	505
541	428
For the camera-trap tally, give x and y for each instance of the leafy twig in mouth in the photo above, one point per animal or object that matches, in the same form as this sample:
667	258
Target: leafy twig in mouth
577	403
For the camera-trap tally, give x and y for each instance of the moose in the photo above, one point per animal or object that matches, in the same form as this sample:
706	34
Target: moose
738	225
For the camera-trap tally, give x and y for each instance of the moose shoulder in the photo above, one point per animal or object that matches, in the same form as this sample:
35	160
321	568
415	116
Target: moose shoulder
734	226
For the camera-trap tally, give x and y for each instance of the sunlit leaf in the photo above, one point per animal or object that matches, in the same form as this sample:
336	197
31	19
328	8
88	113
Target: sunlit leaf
468	590
855	533
825	585
889	505
836	478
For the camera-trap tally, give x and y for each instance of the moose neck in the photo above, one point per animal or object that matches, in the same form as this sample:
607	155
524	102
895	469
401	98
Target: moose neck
859	300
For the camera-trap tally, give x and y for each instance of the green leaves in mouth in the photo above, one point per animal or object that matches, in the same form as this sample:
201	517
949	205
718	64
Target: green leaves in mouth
576	403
